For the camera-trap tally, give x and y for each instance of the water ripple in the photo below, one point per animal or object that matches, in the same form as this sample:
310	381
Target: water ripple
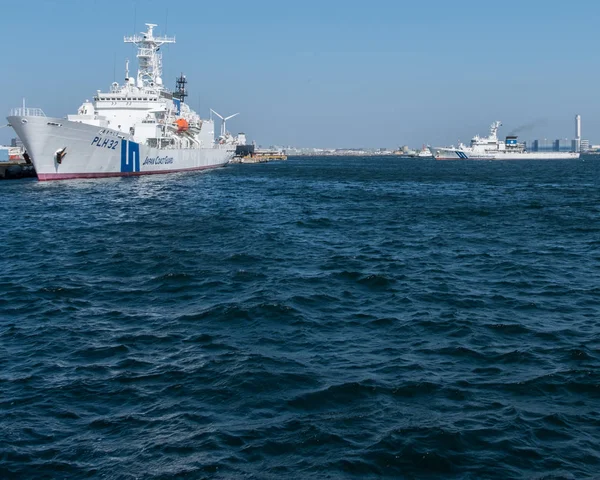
316	318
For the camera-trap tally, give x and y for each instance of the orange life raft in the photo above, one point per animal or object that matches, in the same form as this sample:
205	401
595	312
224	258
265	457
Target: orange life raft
182	125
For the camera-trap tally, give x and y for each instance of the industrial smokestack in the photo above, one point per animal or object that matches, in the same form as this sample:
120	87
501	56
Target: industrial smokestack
577	143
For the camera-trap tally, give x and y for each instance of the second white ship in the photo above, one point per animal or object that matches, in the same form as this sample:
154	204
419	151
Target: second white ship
136	128
491	148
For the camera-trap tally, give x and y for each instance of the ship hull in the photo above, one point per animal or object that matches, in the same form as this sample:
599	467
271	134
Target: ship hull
60	149
465	154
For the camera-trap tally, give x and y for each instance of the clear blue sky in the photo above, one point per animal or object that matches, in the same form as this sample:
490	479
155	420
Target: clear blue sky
326	73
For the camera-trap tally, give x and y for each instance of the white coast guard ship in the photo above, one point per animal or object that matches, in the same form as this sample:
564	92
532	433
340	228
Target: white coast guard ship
491	148
136	128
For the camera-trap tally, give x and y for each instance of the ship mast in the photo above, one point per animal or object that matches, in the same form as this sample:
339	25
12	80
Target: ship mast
494	130
149	60
181	90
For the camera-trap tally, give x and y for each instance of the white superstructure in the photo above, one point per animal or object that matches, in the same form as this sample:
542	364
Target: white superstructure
423	153
491	148
139	127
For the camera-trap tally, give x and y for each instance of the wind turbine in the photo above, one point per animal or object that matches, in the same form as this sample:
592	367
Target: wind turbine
224	121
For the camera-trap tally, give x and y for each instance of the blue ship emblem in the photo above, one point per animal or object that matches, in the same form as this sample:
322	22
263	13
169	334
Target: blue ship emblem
130	156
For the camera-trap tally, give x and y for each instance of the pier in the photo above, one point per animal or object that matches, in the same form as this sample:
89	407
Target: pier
17	169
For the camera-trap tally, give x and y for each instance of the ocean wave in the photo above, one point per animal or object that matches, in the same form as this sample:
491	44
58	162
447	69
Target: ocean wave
320	318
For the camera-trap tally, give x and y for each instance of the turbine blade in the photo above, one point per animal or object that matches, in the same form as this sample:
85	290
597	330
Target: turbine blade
217	114
231	116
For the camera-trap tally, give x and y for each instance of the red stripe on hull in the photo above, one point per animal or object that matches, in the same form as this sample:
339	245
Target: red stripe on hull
44	177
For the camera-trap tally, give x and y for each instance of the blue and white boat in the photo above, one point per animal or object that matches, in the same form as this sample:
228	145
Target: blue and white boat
491	148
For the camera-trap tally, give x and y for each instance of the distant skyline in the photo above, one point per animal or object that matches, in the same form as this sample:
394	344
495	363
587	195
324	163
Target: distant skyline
325	74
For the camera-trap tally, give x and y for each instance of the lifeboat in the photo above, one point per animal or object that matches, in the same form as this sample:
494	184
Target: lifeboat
182	125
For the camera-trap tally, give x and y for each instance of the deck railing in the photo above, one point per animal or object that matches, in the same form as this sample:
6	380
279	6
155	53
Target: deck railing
27	112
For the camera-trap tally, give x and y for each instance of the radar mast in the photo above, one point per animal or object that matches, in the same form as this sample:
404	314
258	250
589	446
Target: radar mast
149	60
181	90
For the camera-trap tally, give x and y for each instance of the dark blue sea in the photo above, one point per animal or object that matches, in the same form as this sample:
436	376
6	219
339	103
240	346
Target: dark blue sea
309	319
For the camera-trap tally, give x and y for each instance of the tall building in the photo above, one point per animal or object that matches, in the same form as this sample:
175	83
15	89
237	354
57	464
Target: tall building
544	145
562	145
